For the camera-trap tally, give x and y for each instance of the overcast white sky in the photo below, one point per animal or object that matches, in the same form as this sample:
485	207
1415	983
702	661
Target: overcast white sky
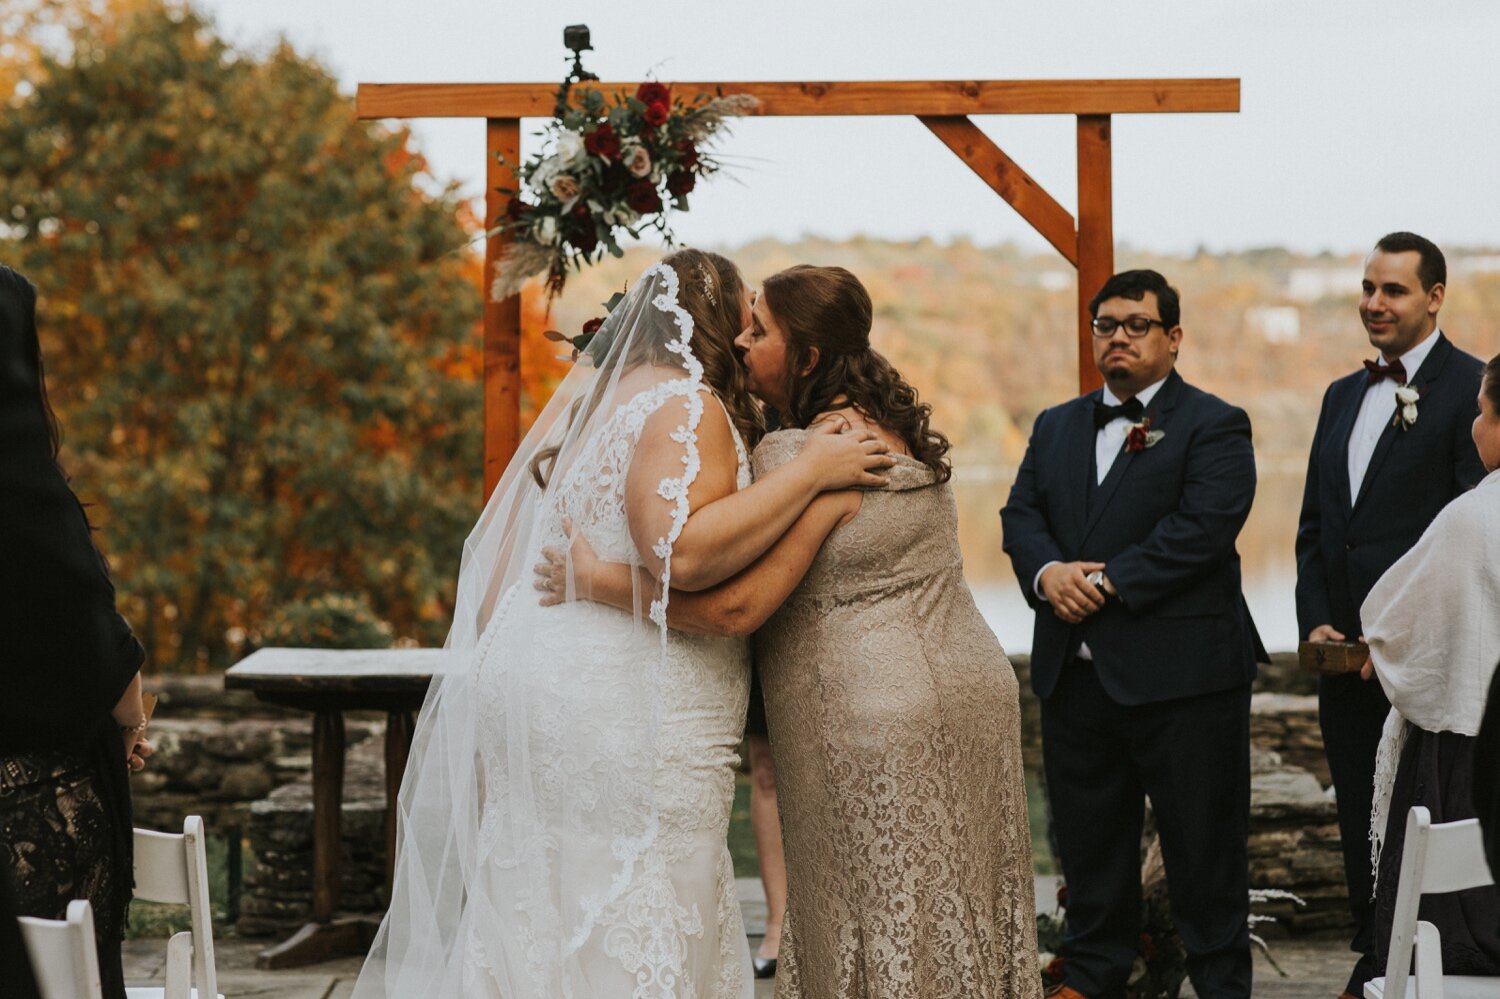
1356	118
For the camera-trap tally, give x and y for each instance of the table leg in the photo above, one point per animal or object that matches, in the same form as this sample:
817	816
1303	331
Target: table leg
398	735
328	802
324	936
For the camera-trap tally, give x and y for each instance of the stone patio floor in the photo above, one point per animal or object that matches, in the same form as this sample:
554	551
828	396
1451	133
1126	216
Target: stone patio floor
1315	969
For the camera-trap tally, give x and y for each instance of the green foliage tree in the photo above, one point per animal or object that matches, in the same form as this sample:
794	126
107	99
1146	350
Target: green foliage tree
259	319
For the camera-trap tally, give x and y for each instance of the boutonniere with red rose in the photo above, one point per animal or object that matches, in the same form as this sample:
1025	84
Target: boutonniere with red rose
1141	436
1406	406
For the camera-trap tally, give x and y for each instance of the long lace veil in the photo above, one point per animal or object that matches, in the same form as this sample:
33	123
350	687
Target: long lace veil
528	809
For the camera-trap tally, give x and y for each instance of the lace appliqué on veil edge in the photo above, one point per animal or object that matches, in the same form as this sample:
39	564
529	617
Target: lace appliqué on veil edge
675	491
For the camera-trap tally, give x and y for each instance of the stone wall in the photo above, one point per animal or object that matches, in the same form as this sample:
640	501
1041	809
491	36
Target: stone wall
240	763
278	890
1288	725
217	751
1294	846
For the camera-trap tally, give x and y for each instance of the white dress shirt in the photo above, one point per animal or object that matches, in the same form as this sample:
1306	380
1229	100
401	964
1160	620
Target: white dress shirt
1109	441
1376	411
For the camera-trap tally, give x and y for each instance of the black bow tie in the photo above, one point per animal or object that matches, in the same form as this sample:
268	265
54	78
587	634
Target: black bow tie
1131	409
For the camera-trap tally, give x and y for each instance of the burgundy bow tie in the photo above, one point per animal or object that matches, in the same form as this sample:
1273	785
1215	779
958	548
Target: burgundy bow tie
1375	371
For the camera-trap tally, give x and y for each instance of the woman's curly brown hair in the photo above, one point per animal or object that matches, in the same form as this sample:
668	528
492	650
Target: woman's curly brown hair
827	308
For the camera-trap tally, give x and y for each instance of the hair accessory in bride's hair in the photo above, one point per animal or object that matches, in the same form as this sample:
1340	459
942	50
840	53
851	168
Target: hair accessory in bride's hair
594	341
708	284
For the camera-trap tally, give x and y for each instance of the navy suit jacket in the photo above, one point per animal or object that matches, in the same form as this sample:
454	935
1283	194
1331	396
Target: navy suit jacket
1164	522
1344	543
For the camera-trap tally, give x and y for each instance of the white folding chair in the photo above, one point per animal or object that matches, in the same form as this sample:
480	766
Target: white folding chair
1438	858
64	957
173	869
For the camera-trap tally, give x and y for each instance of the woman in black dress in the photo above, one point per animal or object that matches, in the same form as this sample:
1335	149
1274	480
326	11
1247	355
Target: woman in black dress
71	717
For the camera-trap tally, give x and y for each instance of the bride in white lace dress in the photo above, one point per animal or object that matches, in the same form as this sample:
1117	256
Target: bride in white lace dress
564	813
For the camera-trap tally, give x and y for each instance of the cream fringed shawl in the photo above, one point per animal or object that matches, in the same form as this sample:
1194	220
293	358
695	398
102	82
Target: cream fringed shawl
1433	624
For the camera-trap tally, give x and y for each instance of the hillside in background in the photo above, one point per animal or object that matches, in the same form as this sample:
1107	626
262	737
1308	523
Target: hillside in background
987	333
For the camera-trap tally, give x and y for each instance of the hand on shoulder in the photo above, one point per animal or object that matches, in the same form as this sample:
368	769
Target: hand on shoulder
841	456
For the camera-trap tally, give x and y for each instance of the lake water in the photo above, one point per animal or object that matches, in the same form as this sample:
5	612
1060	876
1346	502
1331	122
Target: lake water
1265	545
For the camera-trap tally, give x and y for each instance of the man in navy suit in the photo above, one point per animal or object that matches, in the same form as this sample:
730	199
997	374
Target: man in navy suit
1121	526
1375	479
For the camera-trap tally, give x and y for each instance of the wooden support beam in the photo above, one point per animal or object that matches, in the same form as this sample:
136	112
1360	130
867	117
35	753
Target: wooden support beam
943	105
502	320
1008	180
919	97
1096	234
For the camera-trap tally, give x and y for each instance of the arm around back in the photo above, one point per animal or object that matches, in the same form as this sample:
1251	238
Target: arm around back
739	605
727	528
742	604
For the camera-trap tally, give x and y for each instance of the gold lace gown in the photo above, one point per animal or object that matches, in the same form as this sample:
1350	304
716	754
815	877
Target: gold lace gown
895	723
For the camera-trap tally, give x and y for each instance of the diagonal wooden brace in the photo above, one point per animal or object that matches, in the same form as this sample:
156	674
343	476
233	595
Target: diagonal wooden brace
1008	180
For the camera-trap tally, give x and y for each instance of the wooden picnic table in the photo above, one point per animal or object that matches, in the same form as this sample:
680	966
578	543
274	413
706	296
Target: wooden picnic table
328	682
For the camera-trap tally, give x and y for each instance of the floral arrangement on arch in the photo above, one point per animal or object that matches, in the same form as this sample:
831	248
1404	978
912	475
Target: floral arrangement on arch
606	167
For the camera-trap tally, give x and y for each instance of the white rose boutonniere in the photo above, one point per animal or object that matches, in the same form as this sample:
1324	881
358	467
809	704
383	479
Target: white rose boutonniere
1406	407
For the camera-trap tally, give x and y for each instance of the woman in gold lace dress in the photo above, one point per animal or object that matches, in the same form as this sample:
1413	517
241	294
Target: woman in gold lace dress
893	712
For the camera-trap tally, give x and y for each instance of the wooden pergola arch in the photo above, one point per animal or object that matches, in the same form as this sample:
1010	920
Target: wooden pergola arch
943	106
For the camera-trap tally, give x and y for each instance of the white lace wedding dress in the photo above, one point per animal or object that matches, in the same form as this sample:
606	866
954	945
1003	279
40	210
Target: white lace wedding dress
672	927
562	822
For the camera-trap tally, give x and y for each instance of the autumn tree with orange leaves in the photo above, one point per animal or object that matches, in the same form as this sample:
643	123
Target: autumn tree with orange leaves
259	320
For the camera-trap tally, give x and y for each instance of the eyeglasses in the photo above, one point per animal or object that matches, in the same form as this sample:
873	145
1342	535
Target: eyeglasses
1135	326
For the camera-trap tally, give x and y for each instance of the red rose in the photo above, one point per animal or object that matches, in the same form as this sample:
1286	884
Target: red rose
1062	896
654	93
642	197
592	326
603	141
688	154
1054	970
656	113
1139	437
680	183
515	208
